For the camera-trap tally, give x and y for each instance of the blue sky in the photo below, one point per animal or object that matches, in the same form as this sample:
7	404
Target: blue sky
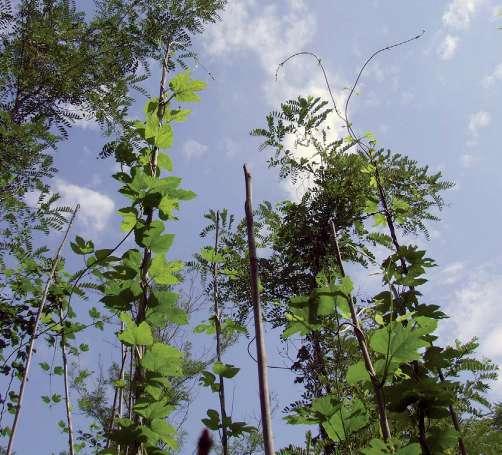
436	100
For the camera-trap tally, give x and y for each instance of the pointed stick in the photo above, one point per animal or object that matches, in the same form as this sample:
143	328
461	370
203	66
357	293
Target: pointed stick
33	337
260	341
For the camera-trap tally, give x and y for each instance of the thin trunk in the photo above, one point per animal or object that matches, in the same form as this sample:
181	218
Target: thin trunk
455	421
33	336
422	433
377	388
260	341
392	230
139	373
217	324
71	448
117	396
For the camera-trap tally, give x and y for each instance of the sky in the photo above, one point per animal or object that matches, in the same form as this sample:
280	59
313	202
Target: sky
436	99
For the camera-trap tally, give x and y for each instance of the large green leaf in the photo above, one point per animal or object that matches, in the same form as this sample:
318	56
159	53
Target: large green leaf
184	87
163	309
163	359
164	136
351	417
400	343
165	162
153	409
133	334
151	237
225	370
129	218
164	272
210	255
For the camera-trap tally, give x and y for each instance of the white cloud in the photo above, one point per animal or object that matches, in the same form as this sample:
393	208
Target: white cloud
490	80
86	121
468	160
497	12
272	31
478	121
459	13
193	149
473	306
448	47
451	272
95	208
231	147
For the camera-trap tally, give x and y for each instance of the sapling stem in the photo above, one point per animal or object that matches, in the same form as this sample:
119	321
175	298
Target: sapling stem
67	401
217	324
260	341
31	346
377	389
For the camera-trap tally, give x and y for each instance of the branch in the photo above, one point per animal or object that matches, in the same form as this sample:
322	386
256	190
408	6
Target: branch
31	347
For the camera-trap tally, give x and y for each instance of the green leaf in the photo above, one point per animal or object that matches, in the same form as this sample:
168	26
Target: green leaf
153	409
163	309
129	218
184	87
150	237
135	335
164	136
400	343
168	205
357	373
411	449
213	420
163	359
208	379
210	255
441	439
167	433
205	327
351	417
225	370
164	272
178	115
58	371
80	246
165	162
379	219
45	366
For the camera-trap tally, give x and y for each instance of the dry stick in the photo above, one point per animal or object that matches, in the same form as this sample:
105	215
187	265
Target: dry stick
260	341
71	447
382	413
217	324
31	346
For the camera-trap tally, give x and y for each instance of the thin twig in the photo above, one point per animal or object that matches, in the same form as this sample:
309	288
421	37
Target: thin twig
260	341
31	347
